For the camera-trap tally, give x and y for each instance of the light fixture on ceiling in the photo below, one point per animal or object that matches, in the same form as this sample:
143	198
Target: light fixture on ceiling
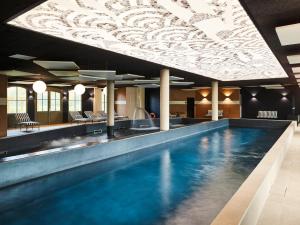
22	57
293	59
289	34
199	37
296	69
79	89
39	86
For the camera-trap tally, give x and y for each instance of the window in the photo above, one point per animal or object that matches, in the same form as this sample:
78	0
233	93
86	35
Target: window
74	101
16	100
54	101
42	102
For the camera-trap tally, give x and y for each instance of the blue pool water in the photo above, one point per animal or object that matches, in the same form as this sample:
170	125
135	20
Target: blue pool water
183	182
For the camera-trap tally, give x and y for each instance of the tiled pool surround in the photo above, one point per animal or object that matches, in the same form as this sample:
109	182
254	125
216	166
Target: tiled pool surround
30	166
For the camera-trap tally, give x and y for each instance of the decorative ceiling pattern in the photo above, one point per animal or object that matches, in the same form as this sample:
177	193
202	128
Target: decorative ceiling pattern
212	38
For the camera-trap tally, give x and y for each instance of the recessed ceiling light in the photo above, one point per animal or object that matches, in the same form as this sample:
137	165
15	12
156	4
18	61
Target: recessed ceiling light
17	73
59	85
271	85
296	69
289	35
274	87
57	65
293	59
64	73
180	83
198	37
131	82
97	73
23	57
148	85
130	76
171	78
21	82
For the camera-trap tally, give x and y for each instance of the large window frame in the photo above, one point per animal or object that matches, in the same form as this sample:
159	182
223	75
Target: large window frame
55	101
42	104
75	101
16	100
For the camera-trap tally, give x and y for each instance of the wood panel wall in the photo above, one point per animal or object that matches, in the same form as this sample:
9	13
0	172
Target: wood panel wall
178	99
229	102
120	99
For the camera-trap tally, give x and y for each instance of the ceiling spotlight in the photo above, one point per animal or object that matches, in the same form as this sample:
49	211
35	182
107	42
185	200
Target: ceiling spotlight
79	89
39	86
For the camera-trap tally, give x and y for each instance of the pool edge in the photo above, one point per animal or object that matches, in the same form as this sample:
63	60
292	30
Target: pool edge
246	204
38	165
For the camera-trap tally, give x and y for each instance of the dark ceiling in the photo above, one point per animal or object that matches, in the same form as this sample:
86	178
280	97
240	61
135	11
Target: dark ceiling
266	15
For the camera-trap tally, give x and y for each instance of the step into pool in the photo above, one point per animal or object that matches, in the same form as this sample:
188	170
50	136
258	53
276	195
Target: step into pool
192	177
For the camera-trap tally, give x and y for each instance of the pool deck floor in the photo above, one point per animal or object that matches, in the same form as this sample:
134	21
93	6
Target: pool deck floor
283	204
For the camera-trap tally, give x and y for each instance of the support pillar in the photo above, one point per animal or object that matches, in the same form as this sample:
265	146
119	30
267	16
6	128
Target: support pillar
164	99
97	106
110	108
215	100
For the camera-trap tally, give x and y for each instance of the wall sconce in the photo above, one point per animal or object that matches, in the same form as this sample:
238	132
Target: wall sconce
204	93
253	99
65	95
227	92
30	96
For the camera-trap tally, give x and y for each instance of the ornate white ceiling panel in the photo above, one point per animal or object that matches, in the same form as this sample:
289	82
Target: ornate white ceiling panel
213	38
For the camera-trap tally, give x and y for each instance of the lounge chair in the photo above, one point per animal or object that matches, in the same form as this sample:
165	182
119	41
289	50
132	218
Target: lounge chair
267	114
77	117
23	119
118	117
93	117
102	114
209	113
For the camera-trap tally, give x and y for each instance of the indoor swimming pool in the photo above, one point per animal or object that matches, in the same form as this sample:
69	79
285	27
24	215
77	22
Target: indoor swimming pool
187	181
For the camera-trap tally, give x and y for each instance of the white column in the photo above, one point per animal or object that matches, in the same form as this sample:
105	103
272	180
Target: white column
97	106
214	100
164	99
110	107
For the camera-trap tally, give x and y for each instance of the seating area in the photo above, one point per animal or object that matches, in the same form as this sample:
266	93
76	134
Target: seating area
267	114
23	120
209	113
93	117
78	118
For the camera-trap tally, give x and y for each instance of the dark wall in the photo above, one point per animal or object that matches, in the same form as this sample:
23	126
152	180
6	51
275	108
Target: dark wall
87	100
152	99
65	105
261	99
31	103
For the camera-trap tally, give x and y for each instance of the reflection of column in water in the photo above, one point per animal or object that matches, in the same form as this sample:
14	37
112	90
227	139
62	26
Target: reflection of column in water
228	143
165	178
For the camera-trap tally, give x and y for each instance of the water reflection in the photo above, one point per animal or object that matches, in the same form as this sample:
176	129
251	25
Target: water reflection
165	166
